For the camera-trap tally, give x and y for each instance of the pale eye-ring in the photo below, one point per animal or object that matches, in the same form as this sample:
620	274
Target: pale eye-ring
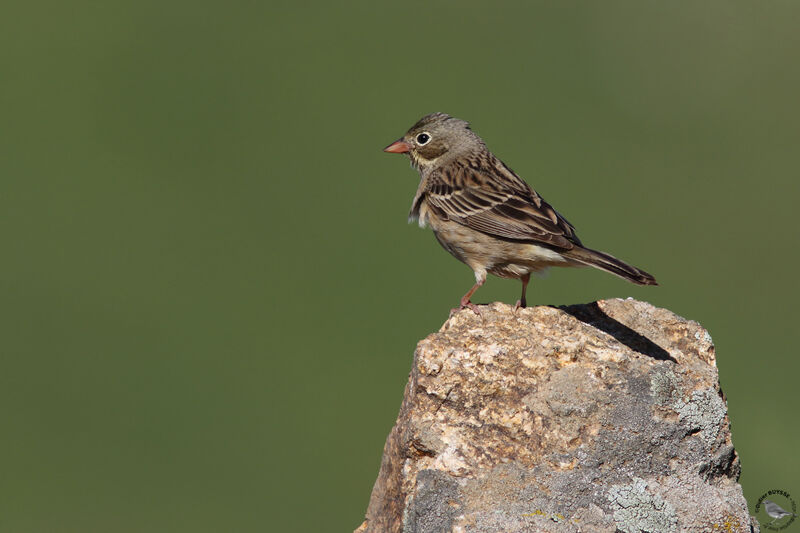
423	138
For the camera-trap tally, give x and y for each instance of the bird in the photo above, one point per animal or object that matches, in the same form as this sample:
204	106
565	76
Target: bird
487	216
776	511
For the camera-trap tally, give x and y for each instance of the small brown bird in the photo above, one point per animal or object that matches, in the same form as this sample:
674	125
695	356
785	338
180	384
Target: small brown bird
486	215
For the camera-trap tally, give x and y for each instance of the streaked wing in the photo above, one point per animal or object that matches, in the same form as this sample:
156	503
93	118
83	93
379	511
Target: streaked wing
491	199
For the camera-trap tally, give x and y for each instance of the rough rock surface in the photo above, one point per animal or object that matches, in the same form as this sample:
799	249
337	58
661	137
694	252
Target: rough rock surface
603	417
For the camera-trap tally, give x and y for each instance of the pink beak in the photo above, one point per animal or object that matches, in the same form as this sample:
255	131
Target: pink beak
397	147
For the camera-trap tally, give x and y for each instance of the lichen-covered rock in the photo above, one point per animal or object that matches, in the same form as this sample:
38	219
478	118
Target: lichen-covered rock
601	417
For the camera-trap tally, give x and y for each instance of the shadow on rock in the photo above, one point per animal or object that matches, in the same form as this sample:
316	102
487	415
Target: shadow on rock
592	315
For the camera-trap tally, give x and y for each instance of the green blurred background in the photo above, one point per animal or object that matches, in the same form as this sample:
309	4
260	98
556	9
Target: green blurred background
211	297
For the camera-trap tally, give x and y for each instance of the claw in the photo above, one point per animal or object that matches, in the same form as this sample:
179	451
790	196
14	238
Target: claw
470	305
466	305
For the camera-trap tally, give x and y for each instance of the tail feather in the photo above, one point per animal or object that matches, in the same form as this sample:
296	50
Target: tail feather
611	264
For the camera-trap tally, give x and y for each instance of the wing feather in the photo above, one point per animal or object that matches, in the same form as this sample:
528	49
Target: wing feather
492	199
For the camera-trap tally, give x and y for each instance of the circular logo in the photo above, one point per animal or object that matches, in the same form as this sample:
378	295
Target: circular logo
775	510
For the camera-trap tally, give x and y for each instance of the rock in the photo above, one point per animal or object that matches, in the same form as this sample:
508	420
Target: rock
602	417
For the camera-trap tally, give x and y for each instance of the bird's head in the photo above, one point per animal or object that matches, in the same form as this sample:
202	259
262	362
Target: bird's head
435	140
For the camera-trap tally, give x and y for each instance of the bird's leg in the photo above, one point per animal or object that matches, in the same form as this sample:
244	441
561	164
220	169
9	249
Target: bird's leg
521	302
480	279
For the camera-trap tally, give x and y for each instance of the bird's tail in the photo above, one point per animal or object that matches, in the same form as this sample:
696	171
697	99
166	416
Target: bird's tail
611	264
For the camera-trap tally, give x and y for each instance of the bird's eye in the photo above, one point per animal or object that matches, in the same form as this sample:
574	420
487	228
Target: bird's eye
423	138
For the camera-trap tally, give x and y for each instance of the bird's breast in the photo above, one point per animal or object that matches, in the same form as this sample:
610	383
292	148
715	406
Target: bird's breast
423	214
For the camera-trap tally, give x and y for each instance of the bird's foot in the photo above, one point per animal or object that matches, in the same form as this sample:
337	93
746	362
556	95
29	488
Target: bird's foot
466	304
520	304
474	308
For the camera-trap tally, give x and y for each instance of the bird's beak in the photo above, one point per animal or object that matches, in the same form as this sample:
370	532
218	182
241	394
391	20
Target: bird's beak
398	147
